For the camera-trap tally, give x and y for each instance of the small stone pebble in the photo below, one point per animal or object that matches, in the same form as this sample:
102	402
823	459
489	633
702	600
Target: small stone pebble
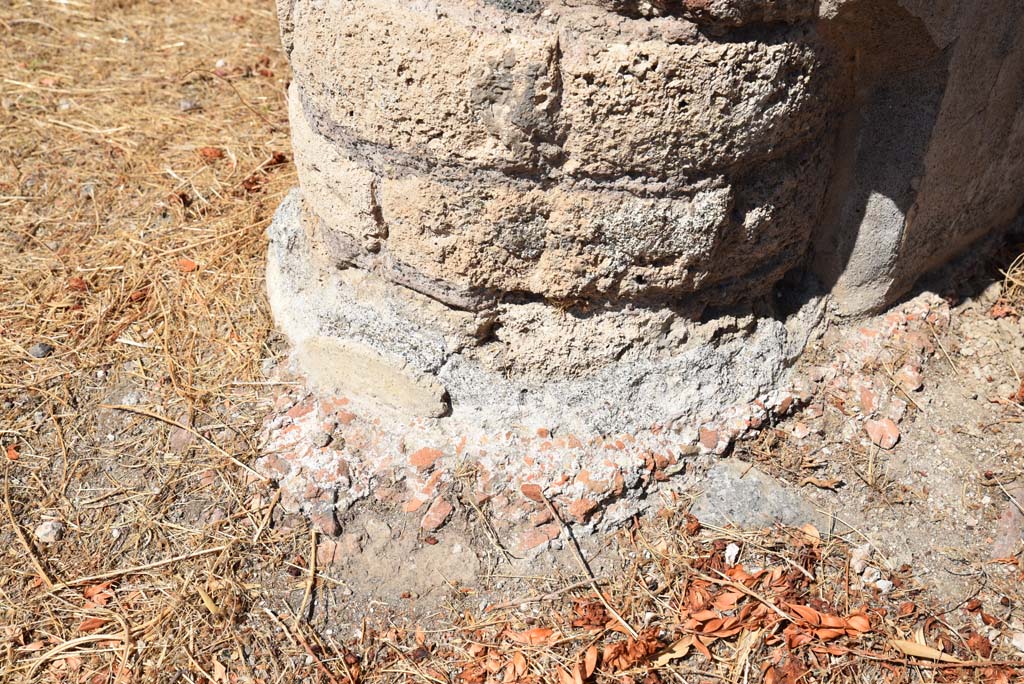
732	552
187	105
871	575
1018	641
50	531
884	586
40	350
321	438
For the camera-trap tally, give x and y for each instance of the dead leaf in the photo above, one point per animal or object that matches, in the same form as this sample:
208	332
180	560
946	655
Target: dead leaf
701	645
979	645
827	633
564	677
589	662
210	153
858	622
916	650
811	533
91	591
77	284
830	483
12	453
1002	310
678	650
727	601
806	613
533	637
519	663
91	624
186	265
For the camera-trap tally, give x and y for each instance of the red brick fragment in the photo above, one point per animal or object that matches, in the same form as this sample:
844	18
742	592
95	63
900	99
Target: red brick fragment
425	458
437	515
883	433
581	509
532	492
708	438
538	536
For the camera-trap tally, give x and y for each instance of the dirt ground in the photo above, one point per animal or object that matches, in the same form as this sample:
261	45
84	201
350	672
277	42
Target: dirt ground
143	149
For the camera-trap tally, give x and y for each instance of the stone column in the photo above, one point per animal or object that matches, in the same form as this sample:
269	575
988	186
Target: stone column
605	216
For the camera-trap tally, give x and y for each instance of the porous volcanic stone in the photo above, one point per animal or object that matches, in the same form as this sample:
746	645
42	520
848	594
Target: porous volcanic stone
609	216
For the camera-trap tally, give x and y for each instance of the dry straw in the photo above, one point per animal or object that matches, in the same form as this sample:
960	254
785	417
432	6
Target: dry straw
143	148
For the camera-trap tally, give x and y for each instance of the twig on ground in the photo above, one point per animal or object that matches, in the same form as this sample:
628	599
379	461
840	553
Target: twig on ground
29	549
586	568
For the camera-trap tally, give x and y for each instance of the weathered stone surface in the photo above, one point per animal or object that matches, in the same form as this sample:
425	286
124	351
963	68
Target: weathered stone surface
526	364
469	244
930	155
737	493
601	215
342	365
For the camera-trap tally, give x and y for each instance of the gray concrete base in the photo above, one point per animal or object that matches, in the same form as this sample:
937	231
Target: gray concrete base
518	366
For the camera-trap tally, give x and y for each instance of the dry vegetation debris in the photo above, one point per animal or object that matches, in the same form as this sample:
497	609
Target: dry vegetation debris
143	150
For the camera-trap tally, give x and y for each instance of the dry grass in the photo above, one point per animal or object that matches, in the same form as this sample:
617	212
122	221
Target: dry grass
140	161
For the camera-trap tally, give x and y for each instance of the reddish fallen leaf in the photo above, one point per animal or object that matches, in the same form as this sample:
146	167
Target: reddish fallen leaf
210	153
589	662
1002	310
858	622
830	483
77	284
979	645
704	615
473	674
727	600
12	453
95	589
701	646
254	182
828	633
533	637
92	624
519	663
1018	396
577	674
806	613
186	265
